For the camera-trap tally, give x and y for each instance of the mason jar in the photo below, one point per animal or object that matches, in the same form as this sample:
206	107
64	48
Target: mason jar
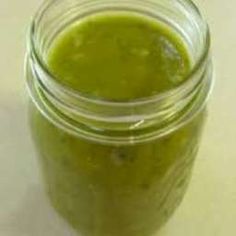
117	168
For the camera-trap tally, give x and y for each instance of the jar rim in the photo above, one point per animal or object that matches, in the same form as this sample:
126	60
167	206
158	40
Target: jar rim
186	82
132	121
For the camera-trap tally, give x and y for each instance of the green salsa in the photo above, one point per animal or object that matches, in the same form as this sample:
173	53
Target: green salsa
119	57
117	190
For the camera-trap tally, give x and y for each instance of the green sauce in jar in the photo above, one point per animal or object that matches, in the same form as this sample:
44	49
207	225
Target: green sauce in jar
119	57
104	190
117	190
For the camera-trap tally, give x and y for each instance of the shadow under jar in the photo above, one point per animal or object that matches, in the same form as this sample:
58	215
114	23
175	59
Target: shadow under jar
117	167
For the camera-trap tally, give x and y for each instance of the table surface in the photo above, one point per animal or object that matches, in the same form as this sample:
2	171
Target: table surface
209	208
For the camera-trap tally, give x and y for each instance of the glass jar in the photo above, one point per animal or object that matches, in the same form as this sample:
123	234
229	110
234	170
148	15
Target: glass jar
117	168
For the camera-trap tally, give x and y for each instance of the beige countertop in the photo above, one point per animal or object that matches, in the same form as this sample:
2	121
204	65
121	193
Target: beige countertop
209	208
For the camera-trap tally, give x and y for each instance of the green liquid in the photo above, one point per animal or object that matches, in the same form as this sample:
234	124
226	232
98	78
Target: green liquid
117	190
119	58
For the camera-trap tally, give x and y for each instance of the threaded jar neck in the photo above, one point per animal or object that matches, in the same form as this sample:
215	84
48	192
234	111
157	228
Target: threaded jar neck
106	121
